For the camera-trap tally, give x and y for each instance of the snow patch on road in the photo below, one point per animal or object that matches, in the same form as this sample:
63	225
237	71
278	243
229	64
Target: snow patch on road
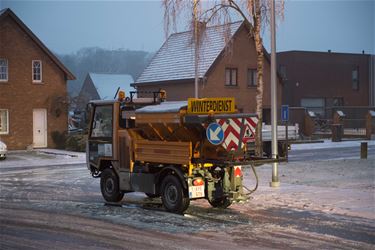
42	157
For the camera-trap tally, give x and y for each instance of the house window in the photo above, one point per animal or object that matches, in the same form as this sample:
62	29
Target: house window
282	71
355	79
316	105
37	71
3	70
231	76
4	121
251	77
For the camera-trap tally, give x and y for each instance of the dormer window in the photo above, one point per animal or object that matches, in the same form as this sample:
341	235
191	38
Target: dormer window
37	71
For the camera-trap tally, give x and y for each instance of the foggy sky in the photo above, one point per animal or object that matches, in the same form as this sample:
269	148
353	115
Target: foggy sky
67	26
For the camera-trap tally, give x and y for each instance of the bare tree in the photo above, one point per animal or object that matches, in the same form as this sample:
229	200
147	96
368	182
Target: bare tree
256	15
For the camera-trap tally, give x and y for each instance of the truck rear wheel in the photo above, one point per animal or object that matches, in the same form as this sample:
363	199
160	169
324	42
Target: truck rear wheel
223	202
173	196
109	185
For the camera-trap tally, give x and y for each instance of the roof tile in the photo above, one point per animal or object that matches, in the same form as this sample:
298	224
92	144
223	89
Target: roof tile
175	59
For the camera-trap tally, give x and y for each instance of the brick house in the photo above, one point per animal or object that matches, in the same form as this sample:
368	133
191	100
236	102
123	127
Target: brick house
227	68
321	80
32	87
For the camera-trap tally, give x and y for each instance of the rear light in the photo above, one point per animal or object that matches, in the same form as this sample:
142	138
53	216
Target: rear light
237	171
198	182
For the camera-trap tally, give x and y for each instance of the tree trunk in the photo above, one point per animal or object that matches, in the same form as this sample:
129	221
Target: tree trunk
259	95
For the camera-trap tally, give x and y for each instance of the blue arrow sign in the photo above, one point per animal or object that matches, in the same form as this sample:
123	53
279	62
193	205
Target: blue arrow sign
215	134
284	113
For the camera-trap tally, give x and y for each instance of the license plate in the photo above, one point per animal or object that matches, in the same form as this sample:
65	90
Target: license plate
196	192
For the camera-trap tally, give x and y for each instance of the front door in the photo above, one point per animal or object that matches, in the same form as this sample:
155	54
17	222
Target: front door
40	128
100	138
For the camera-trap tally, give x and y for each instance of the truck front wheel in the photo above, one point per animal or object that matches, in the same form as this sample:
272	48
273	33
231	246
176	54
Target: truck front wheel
173	196
109	185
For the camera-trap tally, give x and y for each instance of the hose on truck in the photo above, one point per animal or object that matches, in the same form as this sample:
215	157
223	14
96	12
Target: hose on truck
250	191
259	163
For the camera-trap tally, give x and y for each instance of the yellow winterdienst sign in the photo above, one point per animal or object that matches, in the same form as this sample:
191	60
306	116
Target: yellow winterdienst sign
217	105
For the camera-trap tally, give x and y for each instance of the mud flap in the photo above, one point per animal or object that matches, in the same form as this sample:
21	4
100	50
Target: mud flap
236	189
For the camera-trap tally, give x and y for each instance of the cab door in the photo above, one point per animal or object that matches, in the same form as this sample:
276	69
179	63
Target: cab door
101	134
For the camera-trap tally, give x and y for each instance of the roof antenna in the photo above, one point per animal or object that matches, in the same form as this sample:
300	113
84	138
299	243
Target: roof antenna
118	89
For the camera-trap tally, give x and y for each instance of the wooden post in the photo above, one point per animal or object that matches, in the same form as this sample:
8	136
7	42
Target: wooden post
309	128
363	150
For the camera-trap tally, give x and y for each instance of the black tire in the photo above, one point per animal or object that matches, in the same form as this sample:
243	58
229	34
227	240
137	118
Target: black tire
223	202
109	185
152	195
174	198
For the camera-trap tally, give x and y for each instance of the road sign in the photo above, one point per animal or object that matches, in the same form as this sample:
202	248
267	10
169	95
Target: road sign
284	113
232	128
215	133
205	105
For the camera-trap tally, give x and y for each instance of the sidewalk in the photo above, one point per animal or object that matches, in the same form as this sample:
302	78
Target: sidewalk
41	158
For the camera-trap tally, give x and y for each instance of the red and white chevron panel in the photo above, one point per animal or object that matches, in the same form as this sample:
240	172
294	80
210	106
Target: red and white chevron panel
232	130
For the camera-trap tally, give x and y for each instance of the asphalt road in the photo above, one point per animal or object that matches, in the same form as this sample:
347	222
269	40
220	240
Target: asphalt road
60	207
324	154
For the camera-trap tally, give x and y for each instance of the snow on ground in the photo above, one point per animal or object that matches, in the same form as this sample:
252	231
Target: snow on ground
320	205
343	187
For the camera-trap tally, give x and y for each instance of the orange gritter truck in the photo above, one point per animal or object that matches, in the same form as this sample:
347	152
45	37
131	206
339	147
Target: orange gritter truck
178	151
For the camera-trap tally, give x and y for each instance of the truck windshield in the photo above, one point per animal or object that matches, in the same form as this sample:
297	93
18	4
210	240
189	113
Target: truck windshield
102	123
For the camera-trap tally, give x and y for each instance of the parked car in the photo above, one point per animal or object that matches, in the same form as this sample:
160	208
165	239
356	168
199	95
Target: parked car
3	150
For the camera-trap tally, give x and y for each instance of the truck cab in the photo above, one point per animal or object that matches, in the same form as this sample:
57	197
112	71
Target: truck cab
177	150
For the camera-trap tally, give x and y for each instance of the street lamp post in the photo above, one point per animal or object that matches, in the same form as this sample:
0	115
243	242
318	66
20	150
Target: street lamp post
275	175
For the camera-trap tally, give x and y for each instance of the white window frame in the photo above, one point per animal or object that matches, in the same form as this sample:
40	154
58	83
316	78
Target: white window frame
7	70
32	71
7	122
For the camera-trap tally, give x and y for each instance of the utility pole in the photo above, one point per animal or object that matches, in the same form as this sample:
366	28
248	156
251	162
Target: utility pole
275	175
196	49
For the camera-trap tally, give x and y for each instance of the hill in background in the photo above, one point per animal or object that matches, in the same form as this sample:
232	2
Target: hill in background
100	60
